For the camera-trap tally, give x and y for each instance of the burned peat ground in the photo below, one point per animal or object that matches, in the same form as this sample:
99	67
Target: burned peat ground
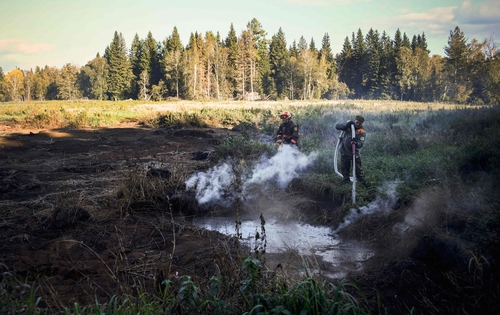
92	213
84	215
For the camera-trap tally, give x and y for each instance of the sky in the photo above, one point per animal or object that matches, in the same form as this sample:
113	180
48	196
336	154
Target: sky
56	32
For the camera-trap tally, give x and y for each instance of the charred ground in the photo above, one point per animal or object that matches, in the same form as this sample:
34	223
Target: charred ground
90	213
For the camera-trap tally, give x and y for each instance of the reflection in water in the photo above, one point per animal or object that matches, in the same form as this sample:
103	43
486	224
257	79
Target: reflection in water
340	256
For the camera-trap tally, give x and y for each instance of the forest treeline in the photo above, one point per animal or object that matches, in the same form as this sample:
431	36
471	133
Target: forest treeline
253	67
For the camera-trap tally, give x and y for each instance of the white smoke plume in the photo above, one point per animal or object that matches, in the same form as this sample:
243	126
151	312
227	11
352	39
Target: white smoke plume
215	184
381	204
282	167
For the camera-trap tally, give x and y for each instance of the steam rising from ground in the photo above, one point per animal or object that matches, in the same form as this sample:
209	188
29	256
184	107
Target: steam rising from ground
282	167
215	185
381	204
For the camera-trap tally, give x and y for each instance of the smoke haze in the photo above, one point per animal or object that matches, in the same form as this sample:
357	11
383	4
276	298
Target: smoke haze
282	167
214	185
381	204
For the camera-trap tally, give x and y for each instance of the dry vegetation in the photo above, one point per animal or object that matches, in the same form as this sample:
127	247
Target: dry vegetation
99	216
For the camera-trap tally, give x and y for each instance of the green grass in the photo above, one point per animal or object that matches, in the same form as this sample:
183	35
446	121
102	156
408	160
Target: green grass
258	293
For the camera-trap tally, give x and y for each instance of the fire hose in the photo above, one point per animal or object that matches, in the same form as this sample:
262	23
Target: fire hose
335	158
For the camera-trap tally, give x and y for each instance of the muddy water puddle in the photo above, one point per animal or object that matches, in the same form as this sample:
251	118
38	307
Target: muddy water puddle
337	256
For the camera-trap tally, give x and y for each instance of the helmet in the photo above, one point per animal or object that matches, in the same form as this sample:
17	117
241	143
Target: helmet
361	119
286	115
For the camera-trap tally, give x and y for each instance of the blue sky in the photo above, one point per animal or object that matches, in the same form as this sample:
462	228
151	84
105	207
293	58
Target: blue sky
55	32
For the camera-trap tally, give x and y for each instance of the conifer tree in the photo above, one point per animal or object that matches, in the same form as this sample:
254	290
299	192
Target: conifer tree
406	41
457	66
397	45
172	63
312	46
231	43
119	74
302	45
278	55
149	60
423	43
326	52
263	75
345	64
414	42
294	51
371	78
174	41
134	59
359	63
291	73
387	67
398	41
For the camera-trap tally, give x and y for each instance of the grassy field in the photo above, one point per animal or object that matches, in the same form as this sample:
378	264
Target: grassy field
444	157
60	114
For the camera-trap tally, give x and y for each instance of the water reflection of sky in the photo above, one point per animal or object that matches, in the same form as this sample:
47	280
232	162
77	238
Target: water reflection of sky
304	238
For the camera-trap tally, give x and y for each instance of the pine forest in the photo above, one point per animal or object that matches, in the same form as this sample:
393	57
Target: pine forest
251	66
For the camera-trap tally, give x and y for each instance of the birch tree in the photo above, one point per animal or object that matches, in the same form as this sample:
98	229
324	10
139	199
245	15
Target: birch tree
143	84
28	84
13	84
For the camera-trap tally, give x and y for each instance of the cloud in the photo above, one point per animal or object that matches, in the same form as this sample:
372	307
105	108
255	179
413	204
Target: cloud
17	46
435	21
323	3
476	20
484	13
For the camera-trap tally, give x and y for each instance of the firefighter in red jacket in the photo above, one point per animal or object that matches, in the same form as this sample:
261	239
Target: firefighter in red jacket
288	131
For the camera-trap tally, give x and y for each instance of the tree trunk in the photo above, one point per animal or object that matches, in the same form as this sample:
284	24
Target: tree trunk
194	80
252	66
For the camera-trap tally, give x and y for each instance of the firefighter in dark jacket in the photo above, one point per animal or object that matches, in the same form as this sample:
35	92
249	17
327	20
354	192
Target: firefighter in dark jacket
288	131
346	148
